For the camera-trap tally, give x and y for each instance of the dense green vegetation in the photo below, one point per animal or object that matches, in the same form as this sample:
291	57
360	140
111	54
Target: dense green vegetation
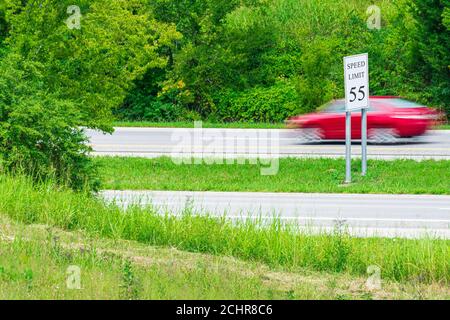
277	245
240	62
262	61
171	60
295	175
55	78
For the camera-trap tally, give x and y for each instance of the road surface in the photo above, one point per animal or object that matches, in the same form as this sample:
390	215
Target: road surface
363	215
235	143
407	216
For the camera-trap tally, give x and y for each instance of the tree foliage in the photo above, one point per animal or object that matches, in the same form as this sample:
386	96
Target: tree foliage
232	47
55	80
163	60
431	50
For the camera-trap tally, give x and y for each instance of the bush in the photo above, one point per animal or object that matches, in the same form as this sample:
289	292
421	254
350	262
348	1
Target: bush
149	109
160	111
259	104
55	80
40	134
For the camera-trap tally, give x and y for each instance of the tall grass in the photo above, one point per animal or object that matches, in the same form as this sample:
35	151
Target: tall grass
277	245
34	266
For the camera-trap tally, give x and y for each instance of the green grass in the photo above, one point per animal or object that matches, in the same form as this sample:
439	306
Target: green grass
187	124
34	261
278	246
228	125
295	175
34	266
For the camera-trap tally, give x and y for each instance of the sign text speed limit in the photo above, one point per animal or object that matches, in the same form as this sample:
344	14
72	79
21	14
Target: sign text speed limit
356	82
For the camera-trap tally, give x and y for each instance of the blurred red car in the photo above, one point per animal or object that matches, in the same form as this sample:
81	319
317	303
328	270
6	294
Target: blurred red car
389	118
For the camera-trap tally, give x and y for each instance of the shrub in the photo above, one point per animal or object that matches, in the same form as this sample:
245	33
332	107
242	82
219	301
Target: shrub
40	133
259	104
54	80
149	109
160	111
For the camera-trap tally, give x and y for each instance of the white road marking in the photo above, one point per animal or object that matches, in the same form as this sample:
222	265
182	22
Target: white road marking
341	219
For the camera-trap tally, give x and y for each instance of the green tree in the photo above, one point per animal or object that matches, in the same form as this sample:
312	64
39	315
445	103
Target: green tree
431	50
190	61
260	44
315	85
446	17
56	79
3	24
235	51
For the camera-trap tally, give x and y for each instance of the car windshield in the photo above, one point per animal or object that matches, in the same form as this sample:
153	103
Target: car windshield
400	103
339	107
334	107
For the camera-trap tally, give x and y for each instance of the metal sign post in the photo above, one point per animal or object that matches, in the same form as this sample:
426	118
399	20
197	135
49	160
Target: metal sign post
348	147
356	71
364	141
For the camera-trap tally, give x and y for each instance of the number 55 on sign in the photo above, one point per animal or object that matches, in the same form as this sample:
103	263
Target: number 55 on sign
356	82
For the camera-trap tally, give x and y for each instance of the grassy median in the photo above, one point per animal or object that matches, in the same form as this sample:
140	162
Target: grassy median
206	124
280	247
295	175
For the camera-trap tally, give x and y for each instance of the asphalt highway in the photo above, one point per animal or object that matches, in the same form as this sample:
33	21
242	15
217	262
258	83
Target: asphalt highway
407	216
234	143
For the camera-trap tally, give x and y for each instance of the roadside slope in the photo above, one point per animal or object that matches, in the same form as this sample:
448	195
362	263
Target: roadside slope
34	260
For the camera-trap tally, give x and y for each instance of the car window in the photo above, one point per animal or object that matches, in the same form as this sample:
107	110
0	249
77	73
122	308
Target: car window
400	103
335	107
374	106
339	107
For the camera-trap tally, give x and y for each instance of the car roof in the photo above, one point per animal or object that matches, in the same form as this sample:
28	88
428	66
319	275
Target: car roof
373	98
385	97
383	101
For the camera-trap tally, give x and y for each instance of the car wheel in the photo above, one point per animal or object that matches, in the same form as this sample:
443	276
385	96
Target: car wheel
383	136
309	135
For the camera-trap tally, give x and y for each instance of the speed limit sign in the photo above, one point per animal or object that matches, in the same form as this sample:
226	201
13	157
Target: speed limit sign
356	72
356	82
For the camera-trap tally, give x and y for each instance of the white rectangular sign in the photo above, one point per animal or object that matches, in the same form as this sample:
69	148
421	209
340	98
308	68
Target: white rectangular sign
356	82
